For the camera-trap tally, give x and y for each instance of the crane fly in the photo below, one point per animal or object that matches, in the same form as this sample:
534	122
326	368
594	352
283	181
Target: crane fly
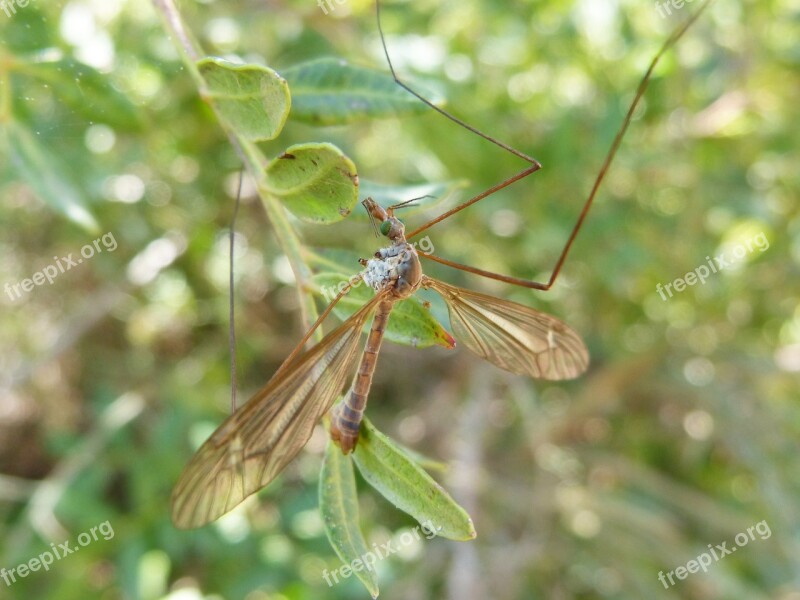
257	441
254	444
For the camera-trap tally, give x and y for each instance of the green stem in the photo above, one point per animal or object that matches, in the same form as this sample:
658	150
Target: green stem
253	161
190	53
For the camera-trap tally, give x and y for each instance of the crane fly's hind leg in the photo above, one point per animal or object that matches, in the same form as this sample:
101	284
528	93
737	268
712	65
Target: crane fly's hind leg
535	165
640	90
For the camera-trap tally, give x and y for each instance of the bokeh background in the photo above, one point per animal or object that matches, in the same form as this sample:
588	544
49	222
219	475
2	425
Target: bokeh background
683	433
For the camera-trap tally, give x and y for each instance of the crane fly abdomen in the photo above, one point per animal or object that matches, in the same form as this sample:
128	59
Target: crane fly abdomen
346	416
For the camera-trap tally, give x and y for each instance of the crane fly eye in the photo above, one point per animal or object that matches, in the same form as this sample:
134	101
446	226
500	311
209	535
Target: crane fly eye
385	227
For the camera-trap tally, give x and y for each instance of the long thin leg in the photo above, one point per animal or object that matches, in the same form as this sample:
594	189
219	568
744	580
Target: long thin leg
674	37
453	118
488	274
473	200
231	304
535	164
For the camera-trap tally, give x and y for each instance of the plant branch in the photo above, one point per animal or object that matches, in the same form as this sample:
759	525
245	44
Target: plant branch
253	161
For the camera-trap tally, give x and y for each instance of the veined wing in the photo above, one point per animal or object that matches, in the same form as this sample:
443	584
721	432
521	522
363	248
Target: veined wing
512	336
256	442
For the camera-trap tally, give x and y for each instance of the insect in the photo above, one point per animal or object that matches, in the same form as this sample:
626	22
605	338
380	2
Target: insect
258	440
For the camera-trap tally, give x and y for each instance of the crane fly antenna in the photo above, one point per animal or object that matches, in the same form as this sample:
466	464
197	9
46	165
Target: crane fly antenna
408	203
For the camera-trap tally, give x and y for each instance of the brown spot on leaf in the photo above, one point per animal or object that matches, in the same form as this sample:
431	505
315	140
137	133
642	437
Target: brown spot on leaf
352	176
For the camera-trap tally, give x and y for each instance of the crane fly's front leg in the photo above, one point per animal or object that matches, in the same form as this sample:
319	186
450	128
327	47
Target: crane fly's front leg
346	416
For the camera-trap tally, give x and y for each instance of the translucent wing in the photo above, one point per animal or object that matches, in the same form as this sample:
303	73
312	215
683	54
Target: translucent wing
256	442
512	336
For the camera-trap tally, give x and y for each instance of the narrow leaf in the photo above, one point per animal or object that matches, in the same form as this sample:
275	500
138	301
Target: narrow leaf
329	91
338	503
410	323
424	461
316	182
252	99
401	481
46	176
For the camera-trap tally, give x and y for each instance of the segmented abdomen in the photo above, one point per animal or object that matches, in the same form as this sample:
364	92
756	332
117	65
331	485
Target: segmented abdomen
346	416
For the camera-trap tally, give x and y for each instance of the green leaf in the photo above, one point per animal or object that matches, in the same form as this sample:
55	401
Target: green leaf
253	100
410	323
338	503
424	461
387	195
25	29
401	481
316	182
86	91
329	91
46	176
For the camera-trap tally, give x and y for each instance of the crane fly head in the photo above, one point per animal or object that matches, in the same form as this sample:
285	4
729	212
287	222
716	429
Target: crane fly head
394	229
390	226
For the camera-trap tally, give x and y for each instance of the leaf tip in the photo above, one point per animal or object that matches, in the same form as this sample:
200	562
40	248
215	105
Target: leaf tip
472	533
447	340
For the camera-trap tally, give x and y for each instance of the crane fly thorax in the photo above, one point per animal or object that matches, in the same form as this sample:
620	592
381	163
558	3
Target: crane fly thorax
397	267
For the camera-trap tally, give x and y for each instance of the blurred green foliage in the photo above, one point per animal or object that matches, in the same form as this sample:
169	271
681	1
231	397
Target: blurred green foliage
683	433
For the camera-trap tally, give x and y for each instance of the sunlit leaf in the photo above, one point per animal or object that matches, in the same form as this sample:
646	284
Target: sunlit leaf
329	91
338	503
87	92
252	99
46	175
401	481
316	182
